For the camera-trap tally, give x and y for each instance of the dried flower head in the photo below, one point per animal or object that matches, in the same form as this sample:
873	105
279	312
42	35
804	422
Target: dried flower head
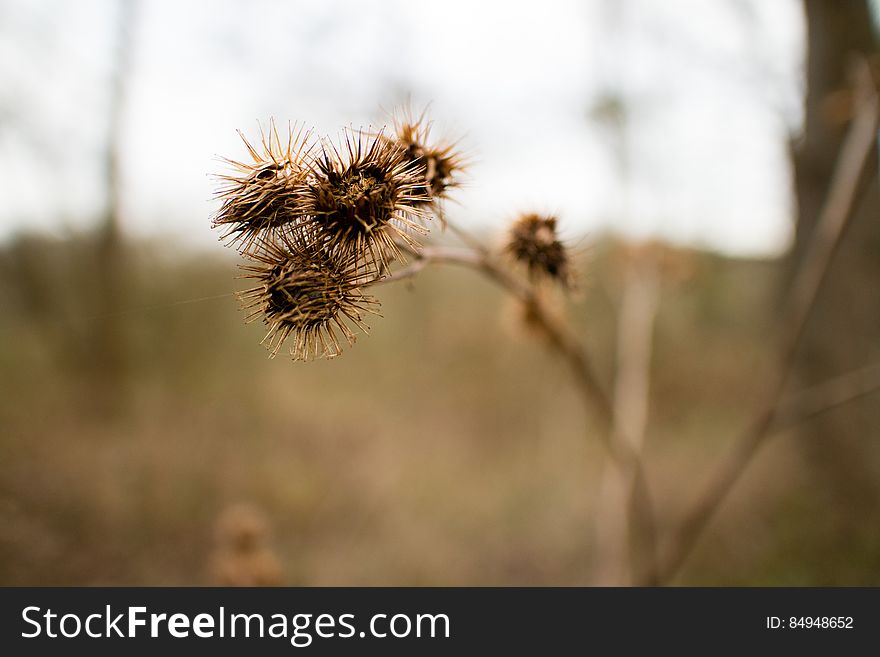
262	196
533	242
439	164
355	204
307	294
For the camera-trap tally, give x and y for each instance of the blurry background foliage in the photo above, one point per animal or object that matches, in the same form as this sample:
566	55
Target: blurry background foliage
145	438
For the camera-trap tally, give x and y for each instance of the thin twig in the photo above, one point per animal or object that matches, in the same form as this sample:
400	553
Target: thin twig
832	223
428	255
827	396
467	238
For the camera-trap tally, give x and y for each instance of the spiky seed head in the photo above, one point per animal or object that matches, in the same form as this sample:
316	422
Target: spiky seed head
262	196
306	294
358	198
439	164
534	243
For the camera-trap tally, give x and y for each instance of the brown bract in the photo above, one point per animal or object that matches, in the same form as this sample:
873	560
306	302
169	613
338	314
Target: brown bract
261	197
439	164
307	295
359	198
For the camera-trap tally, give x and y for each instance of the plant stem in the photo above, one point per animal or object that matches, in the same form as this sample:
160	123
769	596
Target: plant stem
833	221
635	327
827	396
626	459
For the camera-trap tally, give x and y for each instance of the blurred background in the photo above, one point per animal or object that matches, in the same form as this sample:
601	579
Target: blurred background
686	148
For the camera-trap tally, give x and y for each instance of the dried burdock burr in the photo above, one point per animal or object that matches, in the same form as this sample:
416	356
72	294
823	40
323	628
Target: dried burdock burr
361	197
262	196
534	243
306	295
319	221
439	164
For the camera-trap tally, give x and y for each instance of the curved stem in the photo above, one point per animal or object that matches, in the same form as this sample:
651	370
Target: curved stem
593	395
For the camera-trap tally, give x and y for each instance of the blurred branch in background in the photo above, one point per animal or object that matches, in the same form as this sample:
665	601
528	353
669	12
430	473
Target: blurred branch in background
854	158
844	332
108	333
807	404
635	328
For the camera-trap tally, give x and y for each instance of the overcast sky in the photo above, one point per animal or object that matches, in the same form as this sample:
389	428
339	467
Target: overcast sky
711	89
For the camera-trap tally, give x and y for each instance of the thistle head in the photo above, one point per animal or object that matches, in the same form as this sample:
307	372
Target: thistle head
362	196
439	164
306	294
533	242
262	196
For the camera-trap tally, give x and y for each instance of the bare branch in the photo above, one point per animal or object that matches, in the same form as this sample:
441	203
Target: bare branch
833	220
430	255
635	328
826	396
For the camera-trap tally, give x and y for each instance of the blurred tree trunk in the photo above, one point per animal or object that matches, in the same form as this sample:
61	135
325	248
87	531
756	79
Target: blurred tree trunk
109	349
844	333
